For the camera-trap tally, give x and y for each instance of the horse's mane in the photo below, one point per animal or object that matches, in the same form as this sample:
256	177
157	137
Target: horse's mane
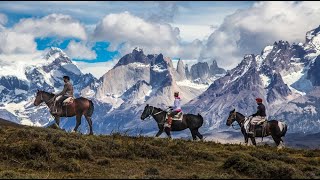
156	108
241	114
47	93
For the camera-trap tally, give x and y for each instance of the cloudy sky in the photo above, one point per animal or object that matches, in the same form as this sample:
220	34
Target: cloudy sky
96	34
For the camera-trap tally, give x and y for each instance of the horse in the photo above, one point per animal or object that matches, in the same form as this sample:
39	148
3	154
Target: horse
80	106
191	121
274	128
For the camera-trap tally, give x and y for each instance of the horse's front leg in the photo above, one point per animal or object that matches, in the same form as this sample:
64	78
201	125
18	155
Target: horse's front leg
245	135
253	140
246	139
57	119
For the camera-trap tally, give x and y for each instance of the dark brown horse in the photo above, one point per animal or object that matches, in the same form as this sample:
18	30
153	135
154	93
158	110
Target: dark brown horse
274	128
193	122
80	106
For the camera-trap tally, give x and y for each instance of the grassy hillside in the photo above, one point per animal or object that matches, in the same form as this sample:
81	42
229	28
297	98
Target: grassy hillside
30	152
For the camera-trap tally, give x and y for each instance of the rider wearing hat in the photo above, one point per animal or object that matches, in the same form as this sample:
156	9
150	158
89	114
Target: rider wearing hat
258	117
63	95
175	109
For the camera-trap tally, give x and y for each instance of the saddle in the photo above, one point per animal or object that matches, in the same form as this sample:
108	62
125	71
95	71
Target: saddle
177	117
260	126
263	127
68	101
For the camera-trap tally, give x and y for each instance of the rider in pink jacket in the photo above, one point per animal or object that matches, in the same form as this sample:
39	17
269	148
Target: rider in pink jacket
176	108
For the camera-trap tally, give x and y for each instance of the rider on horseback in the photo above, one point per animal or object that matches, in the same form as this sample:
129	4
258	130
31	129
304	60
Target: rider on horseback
63	95
259	117
175	109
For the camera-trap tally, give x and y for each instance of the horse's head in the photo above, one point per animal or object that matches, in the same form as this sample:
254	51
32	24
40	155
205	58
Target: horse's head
39	98
232	117
146	112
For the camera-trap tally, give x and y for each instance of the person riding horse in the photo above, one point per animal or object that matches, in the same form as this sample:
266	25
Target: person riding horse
175	109
257	118
63	95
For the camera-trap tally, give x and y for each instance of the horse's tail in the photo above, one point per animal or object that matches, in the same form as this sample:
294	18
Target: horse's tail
285	128
91	108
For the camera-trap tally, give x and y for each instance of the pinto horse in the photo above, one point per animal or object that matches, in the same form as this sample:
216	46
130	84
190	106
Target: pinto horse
193	122
80	106
274	128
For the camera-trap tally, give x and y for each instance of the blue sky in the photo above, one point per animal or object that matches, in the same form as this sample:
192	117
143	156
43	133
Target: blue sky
95	34
90	13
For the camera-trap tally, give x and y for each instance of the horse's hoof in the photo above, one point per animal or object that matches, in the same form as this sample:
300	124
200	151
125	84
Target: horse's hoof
280	147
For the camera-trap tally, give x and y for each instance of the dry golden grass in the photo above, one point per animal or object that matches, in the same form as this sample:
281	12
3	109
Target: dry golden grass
31	152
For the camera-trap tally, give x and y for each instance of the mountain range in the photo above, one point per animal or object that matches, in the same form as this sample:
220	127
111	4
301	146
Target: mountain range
284	75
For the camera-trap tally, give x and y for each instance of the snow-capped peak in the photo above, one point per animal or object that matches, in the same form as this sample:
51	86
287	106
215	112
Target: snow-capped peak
53	53
138	49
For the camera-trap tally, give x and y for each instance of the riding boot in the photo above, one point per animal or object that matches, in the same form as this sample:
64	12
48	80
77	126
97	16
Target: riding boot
253	130
167	125
170	121
54	109
59	110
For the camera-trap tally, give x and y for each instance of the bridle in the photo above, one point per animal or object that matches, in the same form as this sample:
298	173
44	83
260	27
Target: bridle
153	114
235	120
42	100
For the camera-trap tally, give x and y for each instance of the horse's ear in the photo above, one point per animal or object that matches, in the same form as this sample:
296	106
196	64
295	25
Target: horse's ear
233	110
38	90
147	105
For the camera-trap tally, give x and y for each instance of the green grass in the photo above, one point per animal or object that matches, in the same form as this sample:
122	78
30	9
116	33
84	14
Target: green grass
31	152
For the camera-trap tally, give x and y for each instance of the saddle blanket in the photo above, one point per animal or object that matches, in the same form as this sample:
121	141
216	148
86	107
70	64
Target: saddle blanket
247	124
68	101
177	117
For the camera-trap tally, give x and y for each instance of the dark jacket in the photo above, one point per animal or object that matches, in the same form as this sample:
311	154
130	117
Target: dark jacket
261	111
67	90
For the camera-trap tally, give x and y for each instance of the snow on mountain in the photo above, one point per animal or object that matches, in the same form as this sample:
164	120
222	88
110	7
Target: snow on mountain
18	88
285	76
135	81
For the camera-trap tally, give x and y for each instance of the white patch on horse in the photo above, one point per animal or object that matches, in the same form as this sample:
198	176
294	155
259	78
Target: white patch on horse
281	126
246	124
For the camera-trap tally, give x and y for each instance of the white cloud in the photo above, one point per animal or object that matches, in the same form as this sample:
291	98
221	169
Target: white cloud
3	19
189	33
12	42
52	25
248	31
164	12
134	31
96	69
80	50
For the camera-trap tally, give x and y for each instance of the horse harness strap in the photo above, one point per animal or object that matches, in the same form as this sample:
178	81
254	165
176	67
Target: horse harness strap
158	113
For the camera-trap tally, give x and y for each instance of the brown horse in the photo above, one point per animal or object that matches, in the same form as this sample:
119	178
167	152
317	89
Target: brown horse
80	106
274	128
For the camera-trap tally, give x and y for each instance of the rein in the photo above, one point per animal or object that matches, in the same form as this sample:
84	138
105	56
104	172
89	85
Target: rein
149	116
233	125
47	102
